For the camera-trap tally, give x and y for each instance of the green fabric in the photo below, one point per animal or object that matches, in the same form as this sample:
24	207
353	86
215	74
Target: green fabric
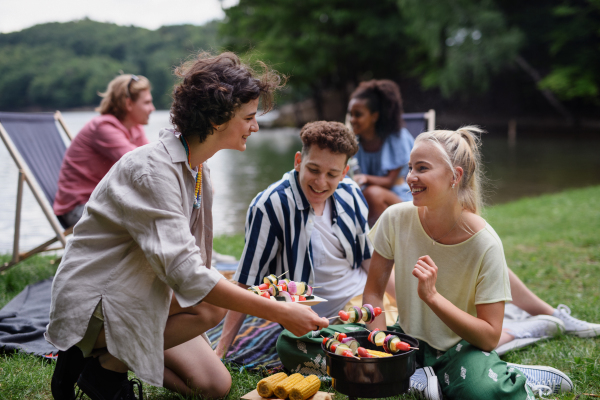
304	354
464	371
467	372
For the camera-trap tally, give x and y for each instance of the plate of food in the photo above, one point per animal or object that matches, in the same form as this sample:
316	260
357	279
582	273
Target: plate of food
311	302
286	290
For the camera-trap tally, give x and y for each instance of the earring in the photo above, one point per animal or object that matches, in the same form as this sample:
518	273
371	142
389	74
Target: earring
453	185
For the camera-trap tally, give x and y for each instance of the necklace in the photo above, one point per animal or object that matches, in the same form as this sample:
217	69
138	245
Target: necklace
433	240
198	189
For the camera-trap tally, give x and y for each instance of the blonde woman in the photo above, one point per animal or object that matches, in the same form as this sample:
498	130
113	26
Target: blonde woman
125	107
451	275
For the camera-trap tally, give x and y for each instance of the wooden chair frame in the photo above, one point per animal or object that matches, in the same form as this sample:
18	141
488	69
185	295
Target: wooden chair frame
25	175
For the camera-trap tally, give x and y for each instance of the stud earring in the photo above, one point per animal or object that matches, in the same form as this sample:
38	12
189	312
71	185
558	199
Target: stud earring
453	186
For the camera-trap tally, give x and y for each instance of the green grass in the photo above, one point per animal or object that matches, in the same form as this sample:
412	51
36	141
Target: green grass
552	242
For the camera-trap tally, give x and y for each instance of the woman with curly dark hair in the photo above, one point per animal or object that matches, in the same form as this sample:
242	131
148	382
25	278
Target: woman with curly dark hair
375	112
136	289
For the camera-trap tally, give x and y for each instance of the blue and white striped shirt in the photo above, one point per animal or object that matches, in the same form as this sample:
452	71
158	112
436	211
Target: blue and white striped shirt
279	225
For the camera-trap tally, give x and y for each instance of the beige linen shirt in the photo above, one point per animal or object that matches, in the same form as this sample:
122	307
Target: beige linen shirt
138	241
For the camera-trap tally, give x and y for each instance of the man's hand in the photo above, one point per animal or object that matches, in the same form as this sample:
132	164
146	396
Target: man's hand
426	271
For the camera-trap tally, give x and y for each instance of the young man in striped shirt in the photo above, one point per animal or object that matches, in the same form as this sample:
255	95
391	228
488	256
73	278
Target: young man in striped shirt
312	223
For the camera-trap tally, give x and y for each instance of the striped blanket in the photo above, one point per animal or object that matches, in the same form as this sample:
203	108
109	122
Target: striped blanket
254	346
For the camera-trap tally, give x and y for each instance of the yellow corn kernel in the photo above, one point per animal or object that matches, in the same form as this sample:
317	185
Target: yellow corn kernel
265	386
282	389
376	353
305	388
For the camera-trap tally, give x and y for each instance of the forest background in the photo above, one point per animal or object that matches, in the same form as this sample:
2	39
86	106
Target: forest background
485	61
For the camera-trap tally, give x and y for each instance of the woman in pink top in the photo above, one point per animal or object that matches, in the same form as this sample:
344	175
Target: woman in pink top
125	107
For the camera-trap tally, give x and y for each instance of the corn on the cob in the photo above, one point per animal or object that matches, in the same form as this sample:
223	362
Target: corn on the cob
265	386
305	388
282	389
376	353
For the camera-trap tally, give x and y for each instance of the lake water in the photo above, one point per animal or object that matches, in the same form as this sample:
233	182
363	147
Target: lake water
530	168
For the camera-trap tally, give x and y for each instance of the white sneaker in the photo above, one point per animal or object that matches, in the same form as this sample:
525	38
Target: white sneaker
424	384
518	344
540	326
539	376
513	312
574	326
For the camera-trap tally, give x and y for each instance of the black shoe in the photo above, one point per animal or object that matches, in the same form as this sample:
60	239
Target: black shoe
69	365
102	384
127	391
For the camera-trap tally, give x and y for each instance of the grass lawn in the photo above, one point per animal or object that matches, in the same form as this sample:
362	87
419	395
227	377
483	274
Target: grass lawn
552	243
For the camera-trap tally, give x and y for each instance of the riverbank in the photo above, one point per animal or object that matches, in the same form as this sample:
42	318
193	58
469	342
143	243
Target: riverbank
552	242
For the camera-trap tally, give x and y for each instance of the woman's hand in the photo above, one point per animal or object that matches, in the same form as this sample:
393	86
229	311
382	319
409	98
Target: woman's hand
360	179
300	319
426	271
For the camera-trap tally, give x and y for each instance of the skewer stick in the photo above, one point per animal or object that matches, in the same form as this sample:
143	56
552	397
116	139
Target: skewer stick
414	348
333	317
282	274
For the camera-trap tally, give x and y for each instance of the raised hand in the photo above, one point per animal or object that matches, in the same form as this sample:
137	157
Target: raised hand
426	272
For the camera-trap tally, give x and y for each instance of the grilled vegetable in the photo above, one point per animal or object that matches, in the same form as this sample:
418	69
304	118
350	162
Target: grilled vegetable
305	388
282	389
368	313
265	386
376	353
372	335
340	348
362	352
271	279
379	337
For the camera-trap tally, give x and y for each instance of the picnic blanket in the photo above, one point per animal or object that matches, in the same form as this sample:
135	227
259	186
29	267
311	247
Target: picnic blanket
254	346
24	319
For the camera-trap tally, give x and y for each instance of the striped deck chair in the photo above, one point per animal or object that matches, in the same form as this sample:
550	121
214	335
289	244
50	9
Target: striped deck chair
419	122
37	148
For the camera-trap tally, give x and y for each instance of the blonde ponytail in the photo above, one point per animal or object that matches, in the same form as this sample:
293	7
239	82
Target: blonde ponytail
460	148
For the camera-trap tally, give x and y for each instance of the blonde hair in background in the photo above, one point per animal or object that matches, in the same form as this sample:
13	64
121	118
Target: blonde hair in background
460	148
114	99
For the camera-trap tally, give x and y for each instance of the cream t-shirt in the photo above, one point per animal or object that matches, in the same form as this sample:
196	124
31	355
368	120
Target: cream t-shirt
469	273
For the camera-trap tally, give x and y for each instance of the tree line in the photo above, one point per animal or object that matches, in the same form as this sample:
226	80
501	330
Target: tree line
65	65
547	51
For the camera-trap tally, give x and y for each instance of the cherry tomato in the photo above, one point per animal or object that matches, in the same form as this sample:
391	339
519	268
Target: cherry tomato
348	353
377	311
263	286
403	346
266	295
302	298
343	315
325	339
362	352
341	336
333	347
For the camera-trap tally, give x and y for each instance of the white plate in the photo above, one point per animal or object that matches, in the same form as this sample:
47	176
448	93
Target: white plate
312	302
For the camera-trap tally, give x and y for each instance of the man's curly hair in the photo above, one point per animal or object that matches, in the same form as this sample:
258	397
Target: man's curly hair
333	136
213	88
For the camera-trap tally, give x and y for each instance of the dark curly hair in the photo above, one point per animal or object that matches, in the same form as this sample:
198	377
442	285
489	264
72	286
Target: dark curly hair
382	96
333	136
212	89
